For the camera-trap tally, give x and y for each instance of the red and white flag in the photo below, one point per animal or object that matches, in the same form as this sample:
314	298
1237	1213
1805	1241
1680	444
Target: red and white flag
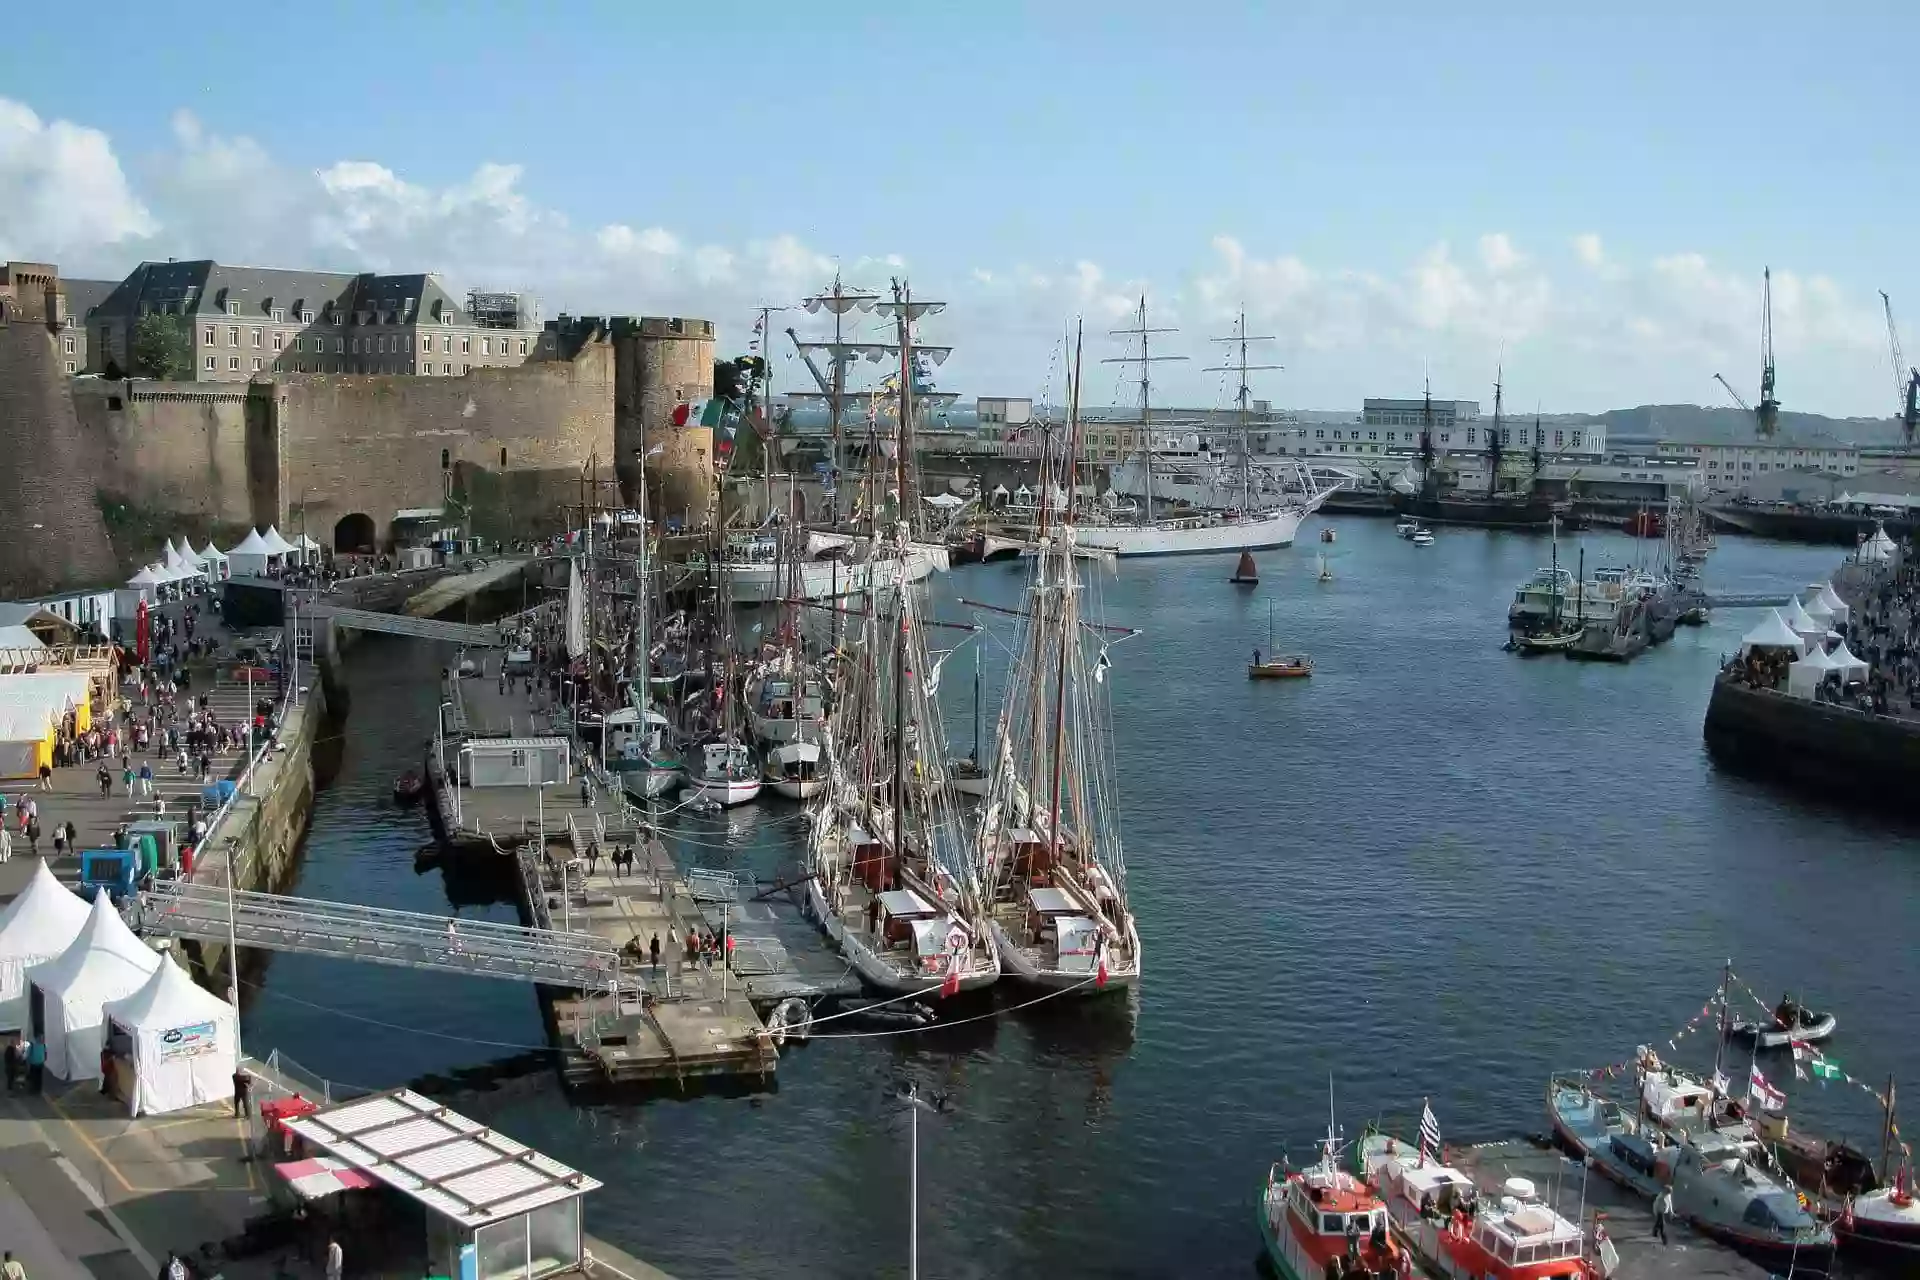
1763	1094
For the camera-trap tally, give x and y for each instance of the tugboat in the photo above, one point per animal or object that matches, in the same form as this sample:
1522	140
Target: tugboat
1317	1221
1244	573
1436	1211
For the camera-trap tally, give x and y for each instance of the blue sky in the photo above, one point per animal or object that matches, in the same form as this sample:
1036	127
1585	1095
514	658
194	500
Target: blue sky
1391	189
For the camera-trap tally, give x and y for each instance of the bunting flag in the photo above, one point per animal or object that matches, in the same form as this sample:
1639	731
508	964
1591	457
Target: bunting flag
1825	1069
1721	1084
1763	1094
1429	1131
1100	667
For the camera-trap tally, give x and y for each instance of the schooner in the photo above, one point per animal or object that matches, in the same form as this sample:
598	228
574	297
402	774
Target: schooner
1048	850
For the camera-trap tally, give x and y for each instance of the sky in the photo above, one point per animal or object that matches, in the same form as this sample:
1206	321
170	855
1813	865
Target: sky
1395	192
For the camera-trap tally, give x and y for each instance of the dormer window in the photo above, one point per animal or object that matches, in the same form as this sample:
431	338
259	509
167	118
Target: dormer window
233	308
406	309
446	317
306	317
279	315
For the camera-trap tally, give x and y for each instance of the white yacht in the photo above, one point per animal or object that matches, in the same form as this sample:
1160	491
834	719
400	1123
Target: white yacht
726	773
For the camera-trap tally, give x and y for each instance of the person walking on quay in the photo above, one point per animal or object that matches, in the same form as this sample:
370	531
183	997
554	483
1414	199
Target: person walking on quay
146	777
33	835
6	845
10	1268
693	948
105	778
126	776
242	1091
36	1065
653	950
46	776
1662	1209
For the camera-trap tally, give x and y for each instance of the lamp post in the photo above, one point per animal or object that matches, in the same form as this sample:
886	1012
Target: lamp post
233	946
440	754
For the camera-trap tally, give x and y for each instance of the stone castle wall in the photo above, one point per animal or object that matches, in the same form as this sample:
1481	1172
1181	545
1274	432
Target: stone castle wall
55	535
172	447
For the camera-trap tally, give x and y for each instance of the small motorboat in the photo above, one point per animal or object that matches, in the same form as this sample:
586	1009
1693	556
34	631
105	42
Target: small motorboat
1326	570
1406	526
1549	641
1421	537
1244	573
1791	1021
1326	535
408	788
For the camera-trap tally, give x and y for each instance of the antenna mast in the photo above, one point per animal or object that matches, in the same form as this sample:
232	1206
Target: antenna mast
1243	398
1146	362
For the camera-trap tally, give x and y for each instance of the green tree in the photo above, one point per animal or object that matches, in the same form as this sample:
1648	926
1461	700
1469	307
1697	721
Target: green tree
161	349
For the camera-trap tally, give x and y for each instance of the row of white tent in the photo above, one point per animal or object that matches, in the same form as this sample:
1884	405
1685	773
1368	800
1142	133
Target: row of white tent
1877	549
93	974
1805	629
253	557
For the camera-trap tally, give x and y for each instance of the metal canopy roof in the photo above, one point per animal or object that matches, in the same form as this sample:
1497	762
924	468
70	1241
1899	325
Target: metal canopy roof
1049	901
453	1165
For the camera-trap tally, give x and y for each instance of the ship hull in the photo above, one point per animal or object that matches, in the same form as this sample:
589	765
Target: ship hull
1263	532
1015	964
877	973
1533	513
750	584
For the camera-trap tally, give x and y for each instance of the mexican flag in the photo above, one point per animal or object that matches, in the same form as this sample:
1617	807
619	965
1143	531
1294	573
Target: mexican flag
703	413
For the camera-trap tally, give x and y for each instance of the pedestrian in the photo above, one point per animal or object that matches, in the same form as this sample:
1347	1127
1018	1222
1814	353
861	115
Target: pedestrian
106	1071
126	775
33	836
336	1261
36	1064
6	845
242	1090
146	777
10	1267
105	778
693	947
13	1064
46	776
1662	1206
653	950
593	857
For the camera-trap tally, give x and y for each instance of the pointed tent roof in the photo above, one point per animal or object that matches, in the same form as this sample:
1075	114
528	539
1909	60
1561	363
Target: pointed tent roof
1844	658
1816	658
275	544
213	554
147	578
306	543
169	553
1772	633
251	545
1817	610
168	999
43	921
1831	598
1880	538
1796	617
104	962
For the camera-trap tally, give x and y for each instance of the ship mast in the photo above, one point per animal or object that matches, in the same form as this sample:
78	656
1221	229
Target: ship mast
1494	437
839	300
1242	398
1146	361
1068	631
905	311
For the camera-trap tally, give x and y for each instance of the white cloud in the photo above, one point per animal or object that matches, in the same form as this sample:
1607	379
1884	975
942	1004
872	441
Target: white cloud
61	189
1598	331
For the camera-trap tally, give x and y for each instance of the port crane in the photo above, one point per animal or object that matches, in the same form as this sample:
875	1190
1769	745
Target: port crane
1738	399
1766	418
1906	378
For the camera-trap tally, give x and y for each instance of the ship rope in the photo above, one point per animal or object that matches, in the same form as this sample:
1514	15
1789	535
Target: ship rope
957	1022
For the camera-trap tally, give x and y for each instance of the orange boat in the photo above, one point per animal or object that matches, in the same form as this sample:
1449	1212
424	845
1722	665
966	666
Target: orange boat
1317	1221
1291	667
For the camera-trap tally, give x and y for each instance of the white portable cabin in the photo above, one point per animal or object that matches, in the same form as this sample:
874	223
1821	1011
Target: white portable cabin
103	963
514	762
181	1041
35	928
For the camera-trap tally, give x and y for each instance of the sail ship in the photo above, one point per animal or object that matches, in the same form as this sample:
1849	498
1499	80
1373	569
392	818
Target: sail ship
1245	525
1048	849
890	878
1531	509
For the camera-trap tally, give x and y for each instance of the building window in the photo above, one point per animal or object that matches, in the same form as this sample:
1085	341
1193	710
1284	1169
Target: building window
279	340
1445	436
256	337
339	346
523	346
1470	432
466	368
446	344
1576	439
233	337
466	344
256	364
211	364
69	346
69	366
70	323
279	315
233	364
356	346
233	308
209	335
446	317
1319	433
406	342
306	317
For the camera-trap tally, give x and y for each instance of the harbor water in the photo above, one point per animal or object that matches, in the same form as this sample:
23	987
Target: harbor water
1433	870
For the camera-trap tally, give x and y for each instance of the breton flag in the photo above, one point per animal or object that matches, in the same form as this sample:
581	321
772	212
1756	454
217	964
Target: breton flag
1763	1094
1100	973
1429	1131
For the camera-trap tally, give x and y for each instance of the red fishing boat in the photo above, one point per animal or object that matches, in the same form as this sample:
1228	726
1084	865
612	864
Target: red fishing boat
1645	524
1322	1221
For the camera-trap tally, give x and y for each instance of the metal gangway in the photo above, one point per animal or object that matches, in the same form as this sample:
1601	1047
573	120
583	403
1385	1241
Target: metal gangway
375	935
472	635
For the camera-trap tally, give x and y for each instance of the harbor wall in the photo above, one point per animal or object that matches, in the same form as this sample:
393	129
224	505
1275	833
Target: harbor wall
267	829
1830	748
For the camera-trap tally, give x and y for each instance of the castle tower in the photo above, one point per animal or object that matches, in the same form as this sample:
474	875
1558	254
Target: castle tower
660	364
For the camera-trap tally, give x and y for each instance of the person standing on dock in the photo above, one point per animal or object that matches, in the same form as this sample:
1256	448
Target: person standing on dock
1662	1208
653	950
336	1259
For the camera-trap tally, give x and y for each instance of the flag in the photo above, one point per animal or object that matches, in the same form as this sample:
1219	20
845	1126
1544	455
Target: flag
1100	668
1720	1083
1763	1094
1100	973
703	413
1429	1131
1825	1069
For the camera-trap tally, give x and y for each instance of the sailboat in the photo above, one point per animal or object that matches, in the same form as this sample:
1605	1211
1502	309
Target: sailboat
1277	668
890	877
968	776
1048	851
1246	573
1326	570
1244	525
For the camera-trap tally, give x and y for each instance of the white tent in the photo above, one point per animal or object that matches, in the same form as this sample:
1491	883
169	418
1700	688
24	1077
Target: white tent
185	1042
309	549
1839	608
105	962
170	554
1851	667
35	927
1772	633
1877	548
213	563
1809	629
249	558
18	636
1805	674
277	545
147	577
182	571
1817	610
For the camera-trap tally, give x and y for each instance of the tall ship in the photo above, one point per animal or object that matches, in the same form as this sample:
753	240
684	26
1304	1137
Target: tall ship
890	870
1048	849
1257	514
1528	509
